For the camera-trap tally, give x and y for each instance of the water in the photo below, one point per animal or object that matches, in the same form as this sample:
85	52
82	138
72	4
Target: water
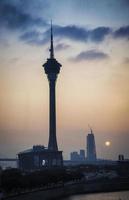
7	164
101	196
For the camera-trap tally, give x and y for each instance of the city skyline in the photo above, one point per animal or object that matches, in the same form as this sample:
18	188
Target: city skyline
92	42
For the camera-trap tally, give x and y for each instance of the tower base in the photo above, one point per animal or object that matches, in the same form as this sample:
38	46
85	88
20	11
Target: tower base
39	158
55	159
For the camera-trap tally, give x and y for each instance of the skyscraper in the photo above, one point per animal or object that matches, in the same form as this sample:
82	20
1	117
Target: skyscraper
91	148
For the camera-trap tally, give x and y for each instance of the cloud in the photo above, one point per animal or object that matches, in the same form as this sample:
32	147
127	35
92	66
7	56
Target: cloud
99	34
122	32
90	55
72	32
12	17
34	8
61	46
82	34
34	38
25	15
96	35
18	15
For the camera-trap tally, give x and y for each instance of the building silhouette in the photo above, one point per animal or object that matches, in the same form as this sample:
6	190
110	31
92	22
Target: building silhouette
82	154
75	156
91	147
39	157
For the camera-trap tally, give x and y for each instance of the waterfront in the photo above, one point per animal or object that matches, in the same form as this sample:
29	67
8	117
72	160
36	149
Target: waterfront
122	195
8	164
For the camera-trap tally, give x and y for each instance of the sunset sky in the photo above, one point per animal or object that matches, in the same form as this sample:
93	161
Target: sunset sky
91	40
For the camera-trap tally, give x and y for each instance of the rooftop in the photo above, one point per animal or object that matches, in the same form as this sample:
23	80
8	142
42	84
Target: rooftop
36	148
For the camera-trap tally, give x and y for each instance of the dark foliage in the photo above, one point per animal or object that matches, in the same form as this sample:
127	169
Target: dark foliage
15	180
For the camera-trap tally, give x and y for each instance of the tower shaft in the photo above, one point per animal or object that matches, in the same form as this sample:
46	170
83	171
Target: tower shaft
52	144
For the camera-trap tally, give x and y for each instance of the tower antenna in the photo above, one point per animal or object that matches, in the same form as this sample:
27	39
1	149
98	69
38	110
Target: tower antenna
51	47
91	131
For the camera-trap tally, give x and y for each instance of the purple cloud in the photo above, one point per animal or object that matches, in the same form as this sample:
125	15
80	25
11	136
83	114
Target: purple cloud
90	55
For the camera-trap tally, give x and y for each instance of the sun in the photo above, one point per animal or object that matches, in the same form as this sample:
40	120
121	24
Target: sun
107	143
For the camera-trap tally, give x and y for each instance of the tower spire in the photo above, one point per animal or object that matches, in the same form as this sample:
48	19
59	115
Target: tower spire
91	131
51	47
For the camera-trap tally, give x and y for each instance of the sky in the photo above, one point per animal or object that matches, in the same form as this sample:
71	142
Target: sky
91	41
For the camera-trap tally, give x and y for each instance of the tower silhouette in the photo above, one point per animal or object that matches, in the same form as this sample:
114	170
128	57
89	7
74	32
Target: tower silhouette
52	69
40	157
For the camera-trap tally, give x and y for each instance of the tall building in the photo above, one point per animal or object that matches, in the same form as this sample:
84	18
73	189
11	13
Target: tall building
39	157
91	148
52	69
